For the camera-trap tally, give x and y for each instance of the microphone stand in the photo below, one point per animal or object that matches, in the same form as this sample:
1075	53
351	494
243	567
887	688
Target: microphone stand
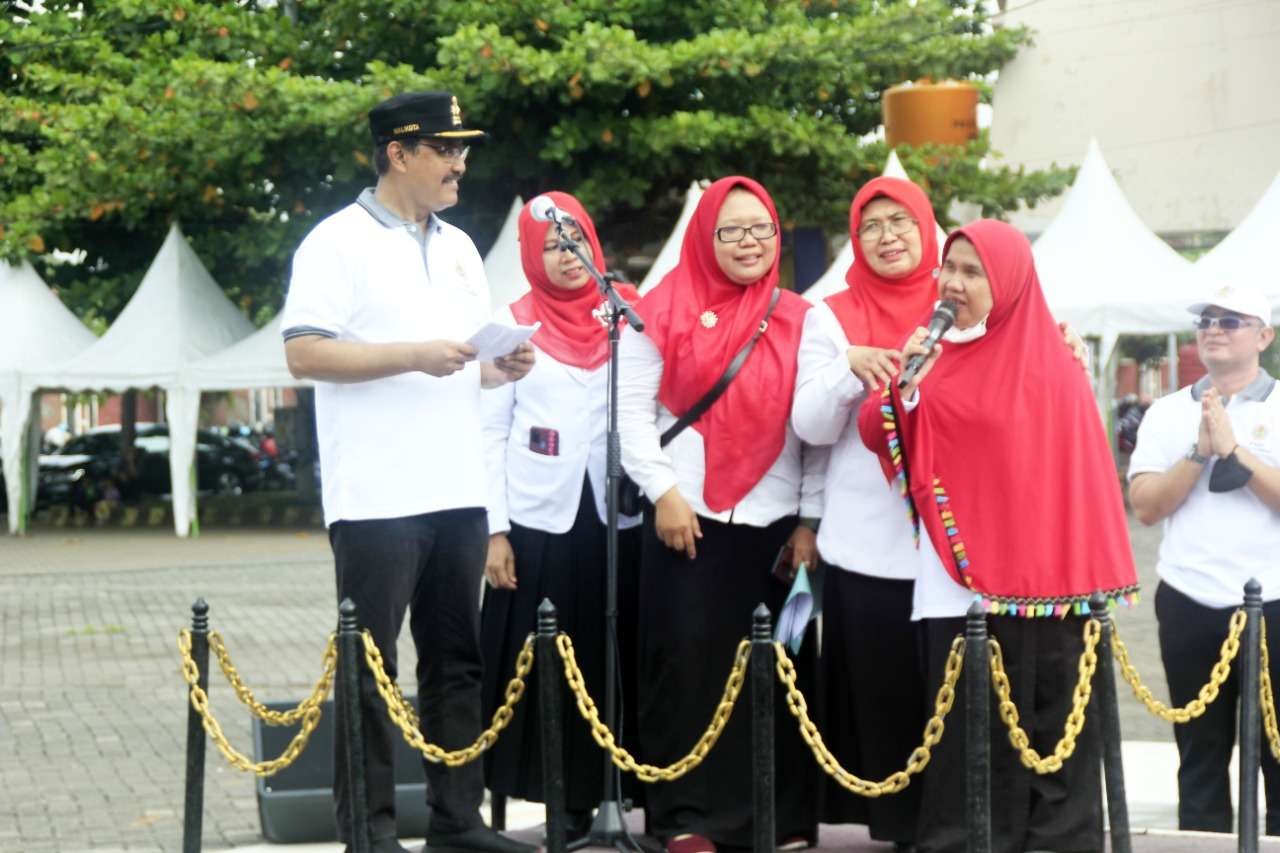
608	828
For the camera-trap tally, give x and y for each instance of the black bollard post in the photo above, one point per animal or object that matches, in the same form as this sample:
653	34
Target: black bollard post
1106	704
193	802
497	810
762	764
977	731
549	678
350	653
1250	718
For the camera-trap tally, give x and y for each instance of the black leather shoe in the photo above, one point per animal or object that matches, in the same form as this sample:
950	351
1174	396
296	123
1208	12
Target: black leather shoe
383	845
479	839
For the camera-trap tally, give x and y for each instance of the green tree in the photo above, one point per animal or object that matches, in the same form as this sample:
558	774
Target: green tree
120	116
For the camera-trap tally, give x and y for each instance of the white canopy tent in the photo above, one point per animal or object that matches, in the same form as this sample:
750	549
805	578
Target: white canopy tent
669	256
833	279
1103	271
1246	255
502	267
177	316
35	329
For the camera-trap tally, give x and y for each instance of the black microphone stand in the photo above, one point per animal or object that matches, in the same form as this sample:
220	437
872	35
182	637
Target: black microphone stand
608	828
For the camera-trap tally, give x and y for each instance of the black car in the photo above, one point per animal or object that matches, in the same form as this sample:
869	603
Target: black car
88	467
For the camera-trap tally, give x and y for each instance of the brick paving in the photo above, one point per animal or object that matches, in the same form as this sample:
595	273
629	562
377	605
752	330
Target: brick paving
92	705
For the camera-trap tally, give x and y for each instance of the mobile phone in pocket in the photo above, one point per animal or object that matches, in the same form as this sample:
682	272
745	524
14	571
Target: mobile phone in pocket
544	440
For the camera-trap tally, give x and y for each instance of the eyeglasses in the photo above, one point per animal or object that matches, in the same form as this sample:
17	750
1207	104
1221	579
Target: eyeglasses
737	233
1226	324
449	150
873	229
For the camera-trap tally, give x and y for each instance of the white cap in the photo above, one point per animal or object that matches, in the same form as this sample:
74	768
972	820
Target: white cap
1242	299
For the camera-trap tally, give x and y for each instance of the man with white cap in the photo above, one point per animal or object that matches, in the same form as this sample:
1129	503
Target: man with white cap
1207	464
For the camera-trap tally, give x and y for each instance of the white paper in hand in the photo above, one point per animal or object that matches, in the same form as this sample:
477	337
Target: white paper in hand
495	340
796	612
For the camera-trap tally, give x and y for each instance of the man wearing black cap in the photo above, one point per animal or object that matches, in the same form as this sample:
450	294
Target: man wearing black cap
383	294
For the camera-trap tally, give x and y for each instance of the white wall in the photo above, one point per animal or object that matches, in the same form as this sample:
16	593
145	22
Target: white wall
1182	95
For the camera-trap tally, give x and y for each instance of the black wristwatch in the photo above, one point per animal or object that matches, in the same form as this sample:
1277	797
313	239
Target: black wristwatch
1194	456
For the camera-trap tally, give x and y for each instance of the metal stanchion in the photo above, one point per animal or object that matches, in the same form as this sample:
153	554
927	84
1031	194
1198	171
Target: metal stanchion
497	810
977	729
1106	705
549	680
350	647
762	764
193	801
1250	718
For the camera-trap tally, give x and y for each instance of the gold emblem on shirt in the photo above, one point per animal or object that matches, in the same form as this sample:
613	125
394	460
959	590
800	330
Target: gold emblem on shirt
708	319
1260	432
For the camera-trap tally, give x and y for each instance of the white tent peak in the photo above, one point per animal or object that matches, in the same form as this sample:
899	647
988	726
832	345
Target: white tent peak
1246	255
177	315
669	255
893	167
502	266
35	327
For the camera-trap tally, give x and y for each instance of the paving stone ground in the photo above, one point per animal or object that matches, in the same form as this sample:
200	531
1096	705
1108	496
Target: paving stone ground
92	705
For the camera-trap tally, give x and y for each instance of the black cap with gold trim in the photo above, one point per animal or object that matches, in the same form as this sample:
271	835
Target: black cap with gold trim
421	114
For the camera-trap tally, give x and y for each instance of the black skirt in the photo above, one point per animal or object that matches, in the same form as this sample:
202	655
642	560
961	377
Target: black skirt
568	568
875	697
693	614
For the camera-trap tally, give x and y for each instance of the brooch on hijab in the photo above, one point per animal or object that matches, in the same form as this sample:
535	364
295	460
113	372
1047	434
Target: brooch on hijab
708	319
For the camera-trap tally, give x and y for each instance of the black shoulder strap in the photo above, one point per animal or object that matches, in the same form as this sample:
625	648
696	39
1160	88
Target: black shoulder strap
699	408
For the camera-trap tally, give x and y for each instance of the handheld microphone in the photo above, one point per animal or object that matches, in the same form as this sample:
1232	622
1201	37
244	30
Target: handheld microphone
543	209
944	317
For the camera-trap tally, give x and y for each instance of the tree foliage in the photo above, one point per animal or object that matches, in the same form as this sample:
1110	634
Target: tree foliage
118	117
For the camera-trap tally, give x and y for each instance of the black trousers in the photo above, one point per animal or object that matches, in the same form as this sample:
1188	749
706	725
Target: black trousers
431	565
1060	811
1190	644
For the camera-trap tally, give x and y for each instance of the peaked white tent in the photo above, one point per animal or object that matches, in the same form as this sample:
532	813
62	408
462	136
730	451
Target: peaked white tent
1247	254
177	316
35	329
670	254
502	265
833	279
1103	271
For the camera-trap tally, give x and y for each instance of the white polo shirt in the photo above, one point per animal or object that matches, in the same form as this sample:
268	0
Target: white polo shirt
1213	543
407	444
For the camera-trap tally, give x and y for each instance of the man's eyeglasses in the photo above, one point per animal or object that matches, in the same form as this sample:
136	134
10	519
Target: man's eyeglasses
738	233
873	229
1226	324
449	150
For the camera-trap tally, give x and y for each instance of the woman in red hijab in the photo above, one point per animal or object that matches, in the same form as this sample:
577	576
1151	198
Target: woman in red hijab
545	458
1006	467
727	494
874	710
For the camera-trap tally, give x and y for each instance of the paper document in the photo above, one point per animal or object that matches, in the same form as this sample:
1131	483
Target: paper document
496	339
798	611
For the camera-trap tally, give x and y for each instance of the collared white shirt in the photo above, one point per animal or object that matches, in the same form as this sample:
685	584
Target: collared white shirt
536	489
411	443
865	527
794	482
1214	542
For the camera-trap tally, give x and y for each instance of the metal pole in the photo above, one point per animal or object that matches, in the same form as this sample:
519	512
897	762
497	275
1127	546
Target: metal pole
1250	718
762	766
977	731
193	801
549	677
349	654
1106	704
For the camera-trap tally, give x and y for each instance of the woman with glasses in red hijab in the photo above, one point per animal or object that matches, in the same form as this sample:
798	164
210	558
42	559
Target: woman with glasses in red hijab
1002	457
728	495
545	458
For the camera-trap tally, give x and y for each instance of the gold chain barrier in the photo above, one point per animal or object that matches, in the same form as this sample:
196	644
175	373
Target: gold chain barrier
1268	698
1221	671
403	715
307	712
920	756
1075	720
624	759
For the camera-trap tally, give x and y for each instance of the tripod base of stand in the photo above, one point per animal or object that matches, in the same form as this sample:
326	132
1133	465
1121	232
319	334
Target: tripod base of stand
609	830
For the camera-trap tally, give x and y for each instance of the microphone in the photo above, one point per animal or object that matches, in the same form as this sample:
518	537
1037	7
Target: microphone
944	316
543	209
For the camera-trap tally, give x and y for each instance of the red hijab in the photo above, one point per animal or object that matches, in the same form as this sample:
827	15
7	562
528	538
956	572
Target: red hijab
745	430
1006	459
875	310
570	333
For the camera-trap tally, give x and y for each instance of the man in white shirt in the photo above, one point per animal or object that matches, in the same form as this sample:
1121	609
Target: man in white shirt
382	296
1207	464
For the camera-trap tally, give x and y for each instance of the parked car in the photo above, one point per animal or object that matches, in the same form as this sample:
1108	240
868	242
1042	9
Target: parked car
88	467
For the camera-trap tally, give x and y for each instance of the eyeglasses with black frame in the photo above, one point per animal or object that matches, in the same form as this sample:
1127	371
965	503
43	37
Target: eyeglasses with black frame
873	229
1227	324
738	233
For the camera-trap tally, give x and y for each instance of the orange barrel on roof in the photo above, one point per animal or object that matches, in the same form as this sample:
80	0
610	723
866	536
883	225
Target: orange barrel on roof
922	112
